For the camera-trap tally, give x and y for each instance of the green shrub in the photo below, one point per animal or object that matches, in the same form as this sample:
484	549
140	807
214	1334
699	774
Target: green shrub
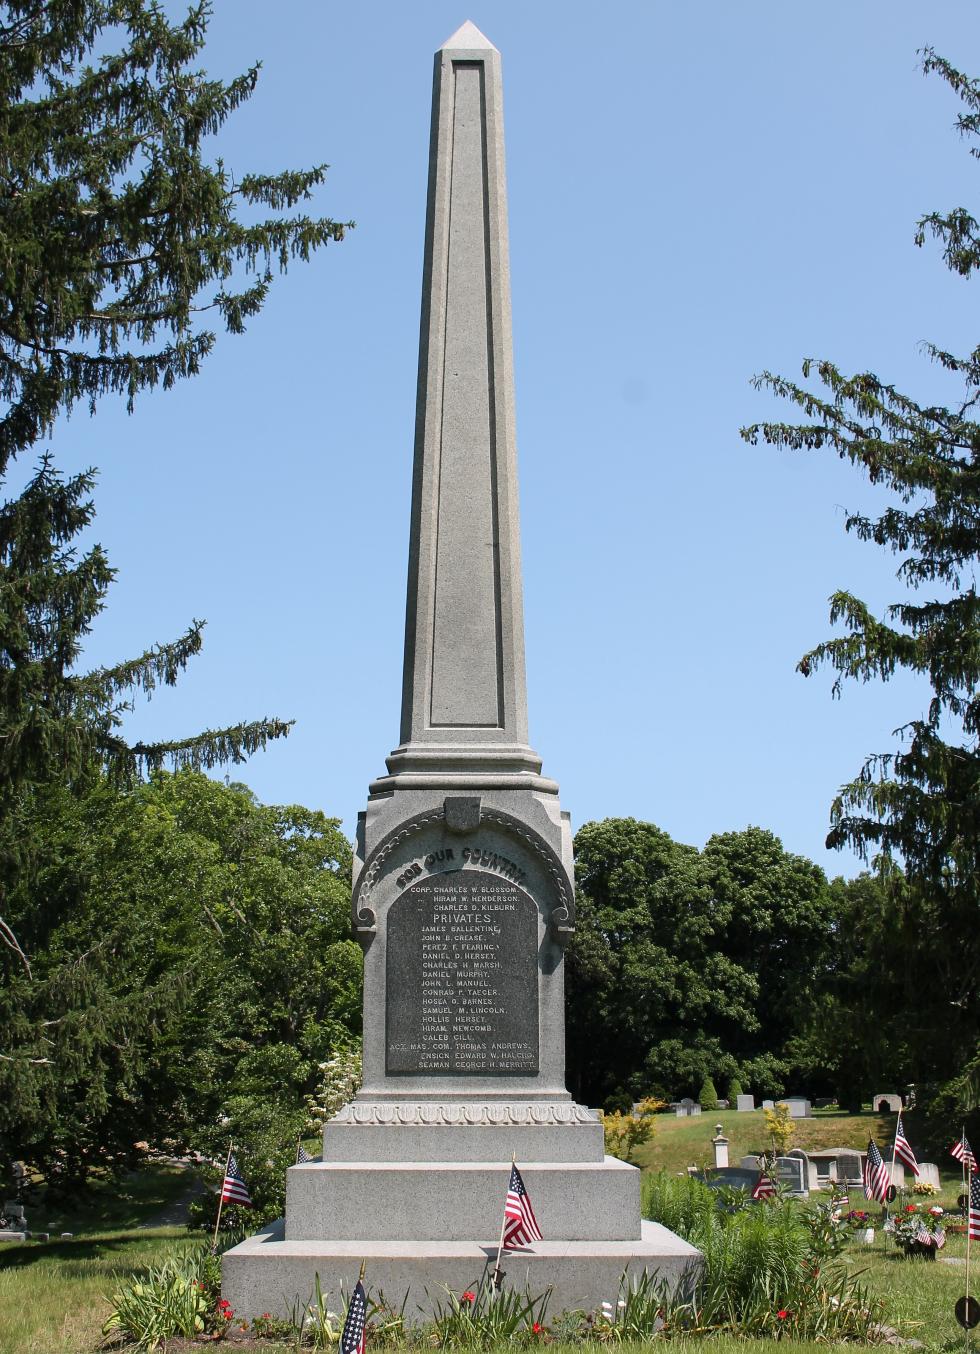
734	1091
763	1272
481	1318
708	1096
168	1302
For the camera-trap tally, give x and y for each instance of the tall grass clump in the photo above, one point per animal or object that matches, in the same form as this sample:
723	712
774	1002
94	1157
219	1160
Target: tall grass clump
765	1270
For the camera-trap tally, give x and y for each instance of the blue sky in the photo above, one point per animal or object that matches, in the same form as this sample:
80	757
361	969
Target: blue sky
696	193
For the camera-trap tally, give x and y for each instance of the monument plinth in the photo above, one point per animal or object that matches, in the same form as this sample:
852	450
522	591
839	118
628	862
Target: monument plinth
463	892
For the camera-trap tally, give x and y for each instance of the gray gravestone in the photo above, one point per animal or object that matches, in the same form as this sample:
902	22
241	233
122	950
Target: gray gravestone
463	892
791	1173
798	1107
744	1103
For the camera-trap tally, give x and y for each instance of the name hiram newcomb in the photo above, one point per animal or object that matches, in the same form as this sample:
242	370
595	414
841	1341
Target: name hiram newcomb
463	896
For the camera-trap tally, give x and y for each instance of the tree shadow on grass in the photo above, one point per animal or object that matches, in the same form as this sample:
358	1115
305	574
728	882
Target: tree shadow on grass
78	1253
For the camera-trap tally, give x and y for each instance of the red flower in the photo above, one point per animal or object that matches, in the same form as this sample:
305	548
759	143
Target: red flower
782	1314
536	1328
468	1296
910	1208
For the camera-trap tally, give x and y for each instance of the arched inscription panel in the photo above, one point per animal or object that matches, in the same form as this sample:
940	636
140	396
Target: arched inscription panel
462	978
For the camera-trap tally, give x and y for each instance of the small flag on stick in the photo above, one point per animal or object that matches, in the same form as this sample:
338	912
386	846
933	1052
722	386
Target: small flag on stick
876	1180
233	1190
520	1224
964	1153
764	1187
302	1156
973	1227
903	1151
352	1340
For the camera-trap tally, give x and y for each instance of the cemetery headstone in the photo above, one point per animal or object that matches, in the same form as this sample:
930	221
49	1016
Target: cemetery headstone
733	1177
849	1169
798	1106
886	1102
463	892
929	1173
745	1103
811	1175
768	1104
791	1173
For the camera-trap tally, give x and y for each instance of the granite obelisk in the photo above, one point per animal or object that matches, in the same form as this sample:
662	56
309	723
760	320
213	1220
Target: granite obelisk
463	887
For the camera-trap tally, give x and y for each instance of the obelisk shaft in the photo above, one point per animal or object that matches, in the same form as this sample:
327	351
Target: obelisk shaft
464	704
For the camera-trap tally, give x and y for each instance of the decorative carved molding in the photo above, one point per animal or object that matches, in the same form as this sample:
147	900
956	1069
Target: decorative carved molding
561	918
429	1113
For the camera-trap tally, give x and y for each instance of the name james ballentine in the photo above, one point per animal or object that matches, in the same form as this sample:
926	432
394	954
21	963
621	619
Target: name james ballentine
469	855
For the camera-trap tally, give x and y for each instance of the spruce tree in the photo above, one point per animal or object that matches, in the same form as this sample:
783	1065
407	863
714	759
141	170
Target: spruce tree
918	802
123	247
120	244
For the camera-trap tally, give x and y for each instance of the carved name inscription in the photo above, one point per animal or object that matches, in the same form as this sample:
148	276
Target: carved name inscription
462	978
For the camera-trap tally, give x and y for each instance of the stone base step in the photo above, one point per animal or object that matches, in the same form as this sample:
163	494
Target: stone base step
439	1200
269	1274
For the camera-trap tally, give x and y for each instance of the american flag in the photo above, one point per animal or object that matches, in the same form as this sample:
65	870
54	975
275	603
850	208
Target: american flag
352	1340
233	1190
520	1224
302	1156
962	1151
903	1152
974	1223
876	1180
764	1188
923	1236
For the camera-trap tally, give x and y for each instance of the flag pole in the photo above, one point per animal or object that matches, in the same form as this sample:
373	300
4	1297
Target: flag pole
891	1173
495	1281
221	1197
963	1169
966	1305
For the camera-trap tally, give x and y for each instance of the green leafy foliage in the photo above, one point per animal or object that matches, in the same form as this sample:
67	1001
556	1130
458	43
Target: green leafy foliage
919	803
689	964
121	246
168	1302
114	222
192	946
481	1317
623	1132
708	1096
764	1271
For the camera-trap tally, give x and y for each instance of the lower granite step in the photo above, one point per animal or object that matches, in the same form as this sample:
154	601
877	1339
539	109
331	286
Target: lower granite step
266	1273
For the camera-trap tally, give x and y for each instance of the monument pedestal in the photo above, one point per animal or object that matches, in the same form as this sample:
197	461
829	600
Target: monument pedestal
267	1273
463	894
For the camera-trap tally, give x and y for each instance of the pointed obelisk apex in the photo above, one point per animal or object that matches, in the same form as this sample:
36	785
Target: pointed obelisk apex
469	37
464	703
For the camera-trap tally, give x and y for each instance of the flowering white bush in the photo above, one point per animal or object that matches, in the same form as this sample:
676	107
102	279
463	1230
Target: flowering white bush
340	1080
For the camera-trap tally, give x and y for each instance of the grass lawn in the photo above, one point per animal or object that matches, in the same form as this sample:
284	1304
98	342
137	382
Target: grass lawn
53	1296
